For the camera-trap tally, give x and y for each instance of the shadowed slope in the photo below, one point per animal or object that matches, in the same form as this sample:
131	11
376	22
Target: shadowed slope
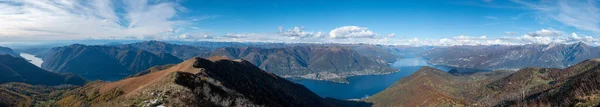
13	69
103	62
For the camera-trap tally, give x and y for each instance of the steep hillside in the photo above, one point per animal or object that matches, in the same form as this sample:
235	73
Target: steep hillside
16	69
512	57
181	51
215	81
573	86
310	62
103	62
576	85
433	87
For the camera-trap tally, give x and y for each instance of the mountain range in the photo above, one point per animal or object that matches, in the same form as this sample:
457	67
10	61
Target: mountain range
310	61
180	51
512	56
576	85
149	74
332	63
17	69
103	62
8	51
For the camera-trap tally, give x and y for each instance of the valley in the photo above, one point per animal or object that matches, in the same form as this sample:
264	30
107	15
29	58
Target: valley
415	75
299	53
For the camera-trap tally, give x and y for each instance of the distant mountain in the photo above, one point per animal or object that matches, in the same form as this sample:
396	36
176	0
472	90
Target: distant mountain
17	69
576	85
512	57
215	45
214	81
113	44
181	51
5	50
377	51
331	63
103	62
408	51
37	52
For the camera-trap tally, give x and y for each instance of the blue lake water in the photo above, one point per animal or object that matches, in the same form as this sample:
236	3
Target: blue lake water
32	59
367	85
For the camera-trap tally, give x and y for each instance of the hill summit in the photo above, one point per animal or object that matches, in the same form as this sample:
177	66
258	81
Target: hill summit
215	81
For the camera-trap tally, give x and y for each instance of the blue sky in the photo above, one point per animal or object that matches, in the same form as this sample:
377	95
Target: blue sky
410	18
405	22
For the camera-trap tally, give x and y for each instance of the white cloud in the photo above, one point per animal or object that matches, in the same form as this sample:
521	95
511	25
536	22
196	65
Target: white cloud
205	17
345	34
581	14
545	32
72	19
187	36
470	40
546	38
297	32
543	36
576	38
351	32
536	39
239	35
463	37
391	35
510	33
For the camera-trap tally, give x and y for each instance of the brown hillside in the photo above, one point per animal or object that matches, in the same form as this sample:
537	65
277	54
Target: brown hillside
216	81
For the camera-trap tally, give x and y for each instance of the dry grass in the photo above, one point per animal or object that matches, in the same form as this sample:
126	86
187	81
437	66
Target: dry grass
133	84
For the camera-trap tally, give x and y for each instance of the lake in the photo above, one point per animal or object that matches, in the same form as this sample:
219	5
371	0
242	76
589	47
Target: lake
359	86
32	59
366	85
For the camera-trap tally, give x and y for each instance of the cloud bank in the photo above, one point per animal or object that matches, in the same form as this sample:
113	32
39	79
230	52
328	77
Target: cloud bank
80	19
162	20
351	32
581	14
297	35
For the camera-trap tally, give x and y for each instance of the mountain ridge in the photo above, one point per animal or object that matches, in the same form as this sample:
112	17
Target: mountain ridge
9	51
17	69
107	61
215	81
332	63
575	85
512	57
180	51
